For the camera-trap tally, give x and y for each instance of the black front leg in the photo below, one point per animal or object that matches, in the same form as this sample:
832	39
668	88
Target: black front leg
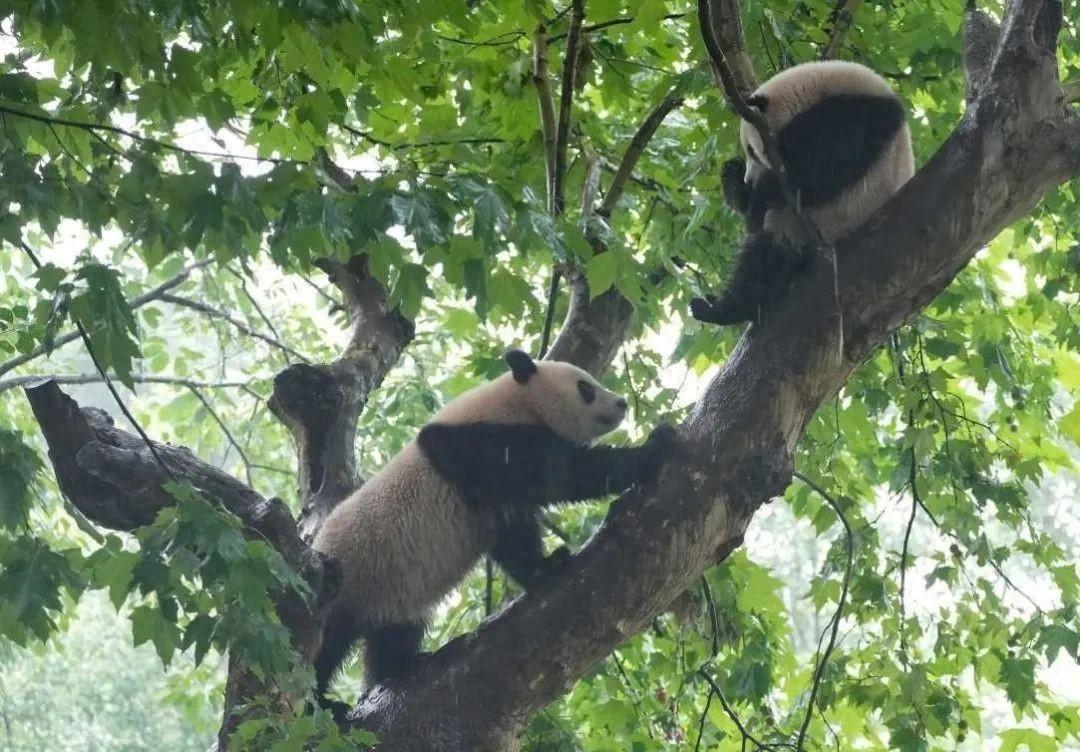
519	548
530	464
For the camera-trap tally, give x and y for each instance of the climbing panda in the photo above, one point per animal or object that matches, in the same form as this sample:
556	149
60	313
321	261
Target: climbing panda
471	483
842	134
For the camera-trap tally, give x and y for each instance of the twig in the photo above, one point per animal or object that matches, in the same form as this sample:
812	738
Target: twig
819	670
547	110
212	312
839	24
254	303
746	735
616	22
228	434
136	302
96	128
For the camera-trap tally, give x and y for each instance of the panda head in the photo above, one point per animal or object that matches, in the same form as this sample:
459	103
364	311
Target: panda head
565	398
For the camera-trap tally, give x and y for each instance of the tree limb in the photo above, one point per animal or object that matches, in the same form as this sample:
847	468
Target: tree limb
320	404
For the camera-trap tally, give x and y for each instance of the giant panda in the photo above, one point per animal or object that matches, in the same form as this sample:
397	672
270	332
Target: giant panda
471	483
843	137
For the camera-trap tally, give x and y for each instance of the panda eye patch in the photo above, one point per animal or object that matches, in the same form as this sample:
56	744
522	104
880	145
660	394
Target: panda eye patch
587	392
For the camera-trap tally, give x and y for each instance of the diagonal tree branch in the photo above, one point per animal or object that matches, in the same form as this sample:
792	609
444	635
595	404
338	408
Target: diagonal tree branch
1005	154
242	327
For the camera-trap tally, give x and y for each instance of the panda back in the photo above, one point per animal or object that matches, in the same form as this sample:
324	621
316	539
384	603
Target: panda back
403	540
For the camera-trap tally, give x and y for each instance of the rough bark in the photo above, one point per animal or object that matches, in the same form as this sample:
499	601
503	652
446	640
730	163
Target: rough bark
115	480
321	403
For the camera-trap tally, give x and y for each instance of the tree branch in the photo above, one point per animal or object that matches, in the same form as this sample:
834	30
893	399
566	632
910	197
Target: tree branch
320	404
566	99
634	151
547	110
137	302
239	325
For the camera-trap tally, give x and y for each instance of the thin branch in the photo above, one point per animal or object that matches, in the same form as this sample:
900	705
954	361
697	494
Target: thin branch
97	128
473	140
105	376
547	109
136	302
746	735
916	502
228	434
615	22
839	24
819	670
217	313
138	378
566	99
254	303
634	151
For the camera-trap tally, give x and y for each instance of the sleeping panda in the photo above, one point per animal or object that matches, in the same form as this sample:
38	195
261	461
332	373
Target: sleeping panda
841	132
471	484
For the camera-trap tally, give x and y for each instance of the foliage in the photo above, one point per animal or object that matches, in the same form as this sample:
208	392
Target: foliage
137	138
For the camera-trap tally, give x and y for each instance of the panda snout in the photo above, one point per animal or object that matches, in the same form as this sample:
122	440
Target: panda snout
621	404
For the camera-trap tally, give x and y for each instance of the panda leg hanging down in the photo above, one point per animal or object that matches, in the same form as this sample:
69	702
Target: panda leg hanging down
472	483
841	132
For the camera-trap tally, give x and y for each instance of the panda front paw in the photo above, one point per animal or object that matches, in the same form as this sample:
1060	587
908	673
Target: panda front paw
713	310
661	446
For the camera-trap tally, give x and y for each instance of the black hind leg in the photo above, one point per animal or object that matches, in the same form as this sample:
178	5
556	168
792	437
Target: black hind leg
339	637
391	651
766	268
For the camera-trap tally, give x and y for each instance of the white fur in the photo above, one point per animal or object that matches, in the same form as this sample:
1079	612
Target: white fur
802	86
406	537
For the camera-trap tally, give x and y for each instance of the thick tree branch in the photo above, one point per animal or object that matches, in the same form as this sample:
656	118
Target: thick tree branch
547	110
1005	154
321	404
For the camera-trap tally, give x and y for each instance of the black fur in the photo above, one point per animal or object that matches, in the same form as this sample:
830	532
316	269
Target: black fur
521	365
825	149
520	469
766	268
828	147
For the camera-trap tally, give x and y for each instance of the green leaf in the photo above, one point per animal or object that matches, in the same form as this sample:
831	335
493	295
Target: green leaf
600	273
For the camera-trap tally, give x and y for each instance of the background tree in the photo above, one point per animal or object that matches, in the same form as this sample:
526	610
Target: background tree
235	206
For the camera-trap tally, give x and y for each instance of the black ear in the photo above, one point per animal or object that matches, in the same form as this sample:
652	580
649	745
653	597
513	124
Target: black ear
758	100
521	365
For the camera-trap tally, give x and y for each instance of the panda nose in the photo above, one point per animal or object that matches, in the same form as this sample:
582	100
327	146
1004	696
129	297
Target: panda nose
621	404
